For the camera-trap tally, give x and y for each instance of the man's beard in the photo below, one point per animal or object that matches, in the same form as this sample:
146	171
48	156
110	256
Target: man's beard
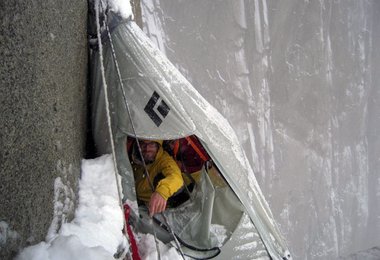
136	156
148	160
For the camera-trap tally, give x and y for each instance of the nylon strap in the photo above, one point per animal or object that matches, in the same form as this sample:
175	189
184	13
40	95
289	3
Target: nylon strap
196	149
175	149
193	145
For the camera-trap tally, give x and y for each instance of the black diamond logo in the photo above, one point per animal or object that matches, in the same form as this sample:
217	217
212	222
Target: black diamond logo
162	109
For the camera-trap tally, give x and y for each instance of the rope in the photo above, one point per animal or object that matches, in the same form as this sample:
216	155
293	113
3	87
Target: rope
133	127
174	235
105	88
139	147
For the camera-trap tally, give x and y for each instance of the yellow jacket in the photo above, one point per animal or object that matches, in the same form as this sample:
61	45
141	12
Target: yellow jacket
167	186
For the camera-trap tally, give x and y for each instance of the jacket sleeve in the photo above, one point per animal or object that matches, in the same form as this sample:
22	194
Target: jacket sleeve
173	180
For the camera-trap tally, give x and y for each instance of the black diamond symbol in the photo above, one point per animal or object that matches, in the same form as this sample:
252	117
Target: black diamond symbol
162	109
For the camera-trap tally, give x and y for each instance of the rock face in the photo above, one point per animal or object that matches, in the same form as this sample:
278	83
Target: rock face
299	82
43	77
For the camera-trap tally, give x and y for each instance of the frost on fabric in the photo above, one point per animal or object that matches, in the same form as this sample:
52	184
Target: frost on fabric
154	25
220	233
247	246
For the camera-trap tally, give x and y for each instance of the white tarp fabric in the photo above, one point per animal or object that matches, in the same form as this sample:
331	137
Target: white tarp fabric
148	84
164	105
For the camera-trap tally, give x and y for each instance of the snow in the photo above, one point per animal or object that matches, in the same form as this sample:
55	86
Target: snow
147	243
98	212
121	7
61	207
96	230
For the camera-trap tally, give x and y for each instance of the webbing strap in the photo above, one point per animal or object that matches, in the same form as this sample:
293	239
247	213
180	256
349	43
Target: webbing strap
176	148
196	149
193	145
134	248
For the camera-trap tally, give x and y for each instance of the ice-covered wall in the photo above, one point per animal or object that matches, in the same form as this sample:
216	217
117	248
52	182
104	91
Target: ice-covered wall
299	82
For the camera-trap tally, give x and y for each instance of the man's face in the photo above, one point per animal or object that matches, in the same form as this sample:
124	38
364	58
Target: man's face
149	150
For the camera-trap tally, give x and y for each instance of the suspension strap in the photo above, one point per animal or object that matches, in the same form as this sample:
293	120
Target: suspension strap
196	149
201	154
134	248
175	148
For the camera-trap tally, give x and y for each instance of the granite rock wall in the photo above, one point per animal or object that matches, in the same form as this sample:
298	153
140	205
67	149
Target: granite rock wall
43	77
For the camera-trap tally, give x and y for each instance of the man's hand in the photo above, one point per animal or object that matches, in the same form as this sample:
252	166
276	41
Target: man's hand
157	204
